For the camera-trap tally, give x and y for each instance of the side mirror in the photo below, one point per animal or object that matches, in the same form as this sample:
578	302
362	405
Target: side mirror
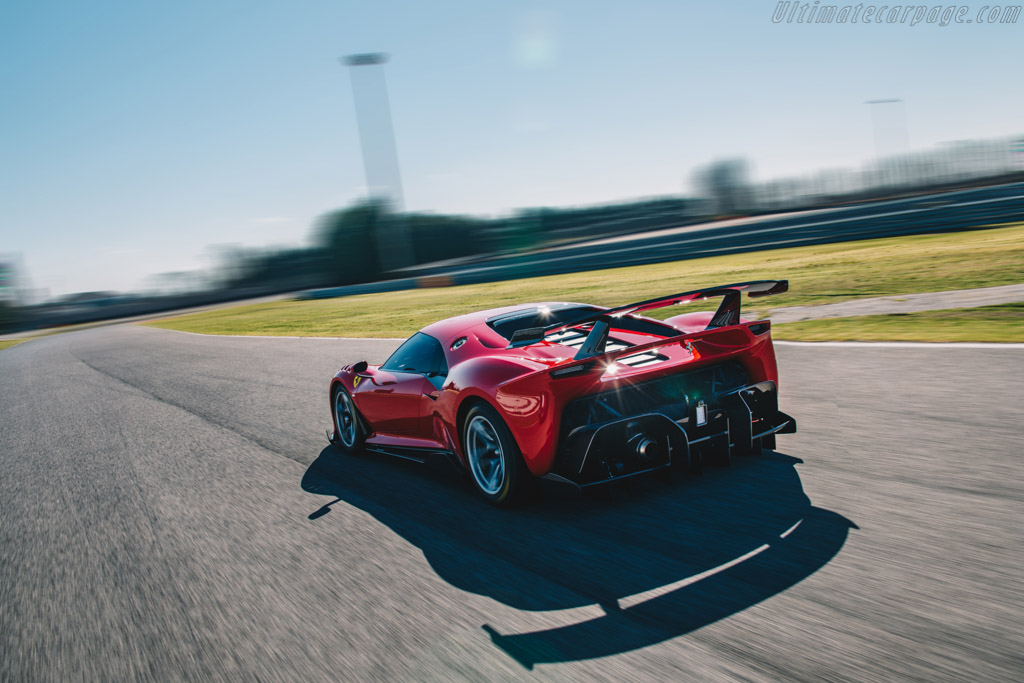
360	366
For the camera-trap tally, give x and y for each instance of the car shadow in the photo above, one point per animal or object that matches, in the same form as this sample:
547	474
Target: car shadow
652	562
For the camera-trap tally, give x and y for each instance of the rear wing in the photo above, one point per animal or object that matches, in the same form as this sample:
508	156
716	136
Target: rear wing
728	313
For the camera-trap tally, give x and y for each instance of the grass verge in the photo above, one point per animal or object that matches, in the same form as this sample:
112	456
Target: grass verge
7	343
817	274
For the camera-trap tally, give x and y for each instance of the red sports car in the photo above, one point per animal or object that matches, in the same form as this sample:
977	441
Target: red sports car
577	393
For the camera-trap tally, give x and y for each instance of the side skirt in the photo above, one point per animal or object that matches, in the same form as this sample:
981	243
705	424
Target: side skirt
417	455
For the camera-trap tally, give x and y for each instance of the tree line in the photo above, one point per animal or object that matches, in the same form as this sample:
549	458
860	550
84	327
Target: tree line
347	242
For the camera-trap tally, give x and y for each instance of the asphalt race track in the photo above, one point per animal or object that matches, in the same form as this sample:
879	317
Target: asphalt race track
170	510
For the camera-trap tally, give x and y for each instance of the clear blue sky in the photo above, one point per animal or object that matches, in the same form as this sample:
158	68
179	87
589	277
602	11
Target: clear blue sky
135	134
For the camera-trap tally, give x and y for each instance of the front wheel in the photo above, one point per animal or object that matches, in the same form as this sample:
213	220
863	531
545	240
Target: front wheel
348	431
493	459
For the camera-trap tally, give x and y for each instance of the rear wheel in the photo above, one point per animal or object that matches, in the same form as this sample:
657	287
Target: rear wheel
493	458
348	431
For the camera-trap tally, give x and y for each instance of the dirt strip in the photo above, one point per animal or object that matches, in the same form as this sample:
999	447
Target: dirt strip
906	303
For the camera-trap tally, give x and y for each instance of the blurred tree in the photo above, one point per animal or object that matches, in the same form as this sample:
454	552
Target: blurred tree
524	230
8	316
346	248
230	263
438	237
726	183
347	238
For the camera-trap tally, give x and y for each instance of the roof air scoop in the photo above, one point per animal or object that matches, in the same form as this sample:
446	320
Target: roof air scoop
526	336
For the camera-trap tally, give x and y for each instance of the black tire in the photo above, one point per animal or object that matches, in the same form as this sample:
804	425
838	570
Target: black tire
506	487
349	435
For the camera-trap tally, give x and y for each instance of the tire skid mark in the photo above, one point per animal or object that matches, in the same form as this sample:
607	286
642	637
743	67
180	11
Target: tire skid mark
209	419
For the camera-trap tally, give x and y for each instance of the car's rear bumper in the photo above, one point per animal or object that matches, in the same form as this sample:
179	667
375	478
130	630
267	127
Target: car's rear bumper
685	421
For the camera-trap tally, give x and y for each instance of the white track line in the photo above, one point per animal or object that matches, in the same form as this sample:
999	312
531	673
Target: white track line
638	598
907	345
791	529
276	336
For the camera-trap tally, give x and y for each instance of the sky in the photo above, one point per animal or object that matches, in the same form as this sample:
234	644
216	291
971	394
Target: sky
136	137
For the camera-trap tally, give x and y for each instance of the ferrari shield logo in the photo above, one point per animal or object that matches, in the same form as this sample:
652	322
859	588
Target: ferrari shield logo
356	380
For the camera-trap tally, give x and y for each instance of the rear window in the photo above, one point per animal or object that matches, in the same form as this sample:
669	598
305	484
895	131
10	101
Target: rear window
507	324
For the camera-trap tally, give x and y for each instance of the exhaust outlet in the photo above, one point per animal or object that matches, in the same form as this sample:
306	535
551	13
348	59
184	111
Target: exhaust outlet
647	448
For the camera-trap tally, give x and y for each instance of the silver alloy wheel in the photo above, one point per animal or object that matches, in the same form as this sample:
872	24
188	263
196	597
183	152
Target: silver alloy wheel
345	418
486	459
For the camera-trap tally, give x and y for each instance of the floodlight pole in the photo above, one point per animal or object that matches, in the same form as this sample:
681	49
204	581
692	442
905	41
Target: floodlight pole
380	156
876	127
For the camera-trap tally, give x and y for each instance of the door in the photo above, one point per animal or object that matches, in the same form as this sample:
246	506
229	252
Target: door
391	401
395	399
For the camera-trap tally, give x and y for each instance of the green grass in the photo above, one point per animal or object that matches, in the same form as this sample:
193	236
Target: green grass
817	274
1003	323
7	343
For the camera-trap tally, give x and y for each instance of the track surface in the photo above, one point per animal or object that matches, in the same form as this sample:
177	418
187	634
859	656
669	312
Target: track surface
157	491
